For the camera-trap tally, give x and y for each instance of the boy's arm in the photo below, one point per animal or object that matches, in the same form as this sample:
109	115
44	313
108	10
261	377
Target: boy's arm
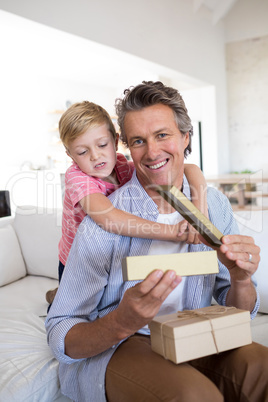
114	220
198	188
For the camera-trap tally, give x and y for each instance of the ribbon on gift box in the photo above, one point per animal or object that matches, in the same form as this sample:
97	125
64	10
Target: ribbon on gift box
186	314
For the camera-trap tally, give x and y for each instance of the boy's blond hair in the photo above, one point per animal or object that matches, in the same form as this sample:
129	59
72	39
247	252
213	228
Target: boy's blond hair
81	116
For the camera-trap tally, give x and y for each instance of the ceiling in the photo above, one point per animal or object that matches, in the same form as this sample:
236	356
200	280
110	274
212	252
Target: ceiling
59	44
218	8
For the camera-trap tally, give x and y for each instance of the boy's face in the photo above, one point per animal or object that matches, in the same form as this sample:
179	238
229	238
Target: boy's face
95	152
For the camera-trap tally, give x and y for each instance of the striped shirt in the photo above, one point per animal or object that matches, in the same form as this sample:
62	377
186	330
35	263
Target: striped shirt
77	186
93	286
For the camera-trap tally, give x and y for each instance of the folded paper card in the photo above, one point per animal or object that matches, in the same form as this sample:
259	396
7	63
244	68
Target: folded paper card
192	334
185	264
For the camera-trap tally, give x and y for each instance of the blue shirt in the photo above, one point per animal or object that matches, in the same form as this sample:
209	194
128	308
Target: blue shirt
92	284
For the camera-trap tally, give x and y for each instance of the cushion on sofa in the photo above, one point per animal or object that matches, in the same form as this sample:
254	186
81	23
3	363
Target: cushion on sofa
255	224
27	294
29	371
12	266
39	232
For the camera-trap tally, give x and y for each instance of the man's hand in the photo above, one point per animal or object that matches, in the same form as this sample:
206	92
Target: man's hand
136	309
240	255
143	301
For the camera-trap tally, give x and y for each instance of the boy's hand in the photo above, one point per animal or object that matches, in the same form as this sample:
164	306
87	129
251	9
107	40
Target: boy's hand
188	233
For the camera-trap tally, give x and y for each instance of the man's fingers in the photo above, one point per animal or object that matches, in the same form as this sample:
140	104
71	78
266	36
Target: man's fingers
169	282
246	250
240	255
157	284
237	239
149	282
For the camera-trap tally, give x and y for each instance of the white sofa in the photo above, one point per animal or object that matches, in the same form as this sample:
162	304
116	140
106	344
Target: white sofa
28	268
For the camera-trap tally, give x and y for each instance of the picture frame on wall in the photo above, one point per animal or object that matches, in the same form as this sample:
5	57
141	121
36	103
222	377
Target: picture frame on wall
196	156
4	204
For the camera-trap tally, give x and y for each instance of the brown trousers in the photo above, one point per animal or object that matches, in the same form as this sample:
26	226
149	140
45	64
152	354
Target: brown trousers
137	374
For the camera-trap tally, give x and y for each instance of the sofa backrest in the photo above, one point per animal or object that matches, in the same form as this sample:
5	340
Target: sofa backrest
6	221
39	231
12	266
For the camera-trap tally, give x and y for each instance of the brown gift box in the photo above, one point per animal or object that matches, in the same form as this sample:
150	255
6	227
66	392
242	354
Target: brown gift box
191	334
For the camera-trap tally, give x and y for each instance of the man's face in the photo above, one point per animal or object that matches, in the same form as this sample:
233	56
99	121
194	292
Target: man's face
156	145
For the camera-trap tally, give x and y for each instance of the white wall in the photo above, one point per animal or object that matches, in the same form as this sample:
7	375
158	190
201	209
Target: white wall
201	107
247	82
247	72
248	19
166	32
34	82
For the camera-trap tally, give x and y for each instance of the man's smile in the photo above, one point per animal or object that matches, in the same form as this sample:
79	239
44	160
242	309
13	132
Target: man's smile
158	165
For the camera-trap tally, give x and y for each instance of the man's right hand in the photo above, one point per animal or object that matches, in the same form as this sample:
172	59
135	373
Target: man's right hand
137	308
142	302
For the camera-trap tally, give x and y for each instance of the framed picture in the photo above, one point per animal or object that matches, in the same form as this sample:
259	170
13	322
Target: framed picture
4	204
196	156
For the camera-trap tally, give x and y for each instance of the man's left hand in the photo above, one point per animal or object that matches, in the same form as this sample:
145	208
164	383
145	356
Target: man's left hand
240	255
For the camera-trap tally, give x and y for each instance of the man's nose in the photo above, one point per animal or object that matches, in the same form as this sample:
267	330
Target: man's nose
152	150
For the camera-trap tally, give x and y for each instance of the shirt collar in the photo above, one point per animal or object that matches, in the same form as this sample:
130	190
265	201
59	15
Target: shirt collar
144	202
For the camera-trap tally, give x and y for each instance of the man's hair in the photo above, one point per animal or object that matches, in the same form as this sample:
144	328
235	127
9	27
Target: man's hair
81	116
151	93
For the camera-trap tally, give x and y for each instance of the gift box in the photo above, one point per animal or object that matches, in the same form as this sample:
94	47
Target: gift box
190	334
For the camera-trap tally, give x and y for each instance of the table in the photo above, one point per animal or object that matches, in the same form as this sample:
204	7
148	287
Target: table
248	189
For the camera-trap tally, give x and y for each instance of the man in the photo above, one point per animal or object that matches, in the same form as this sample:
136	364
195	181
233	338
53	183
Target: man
97	326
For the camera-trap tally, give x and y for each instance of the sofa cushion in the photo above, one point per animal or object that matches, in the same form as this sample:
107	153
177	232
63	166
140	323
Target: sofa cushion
12	266
29	371
28	294
255	224
39	232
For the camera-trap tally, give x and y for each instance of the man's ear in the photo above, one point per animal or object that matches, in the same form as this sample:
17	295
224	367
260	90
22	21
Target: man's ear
116	141
186	140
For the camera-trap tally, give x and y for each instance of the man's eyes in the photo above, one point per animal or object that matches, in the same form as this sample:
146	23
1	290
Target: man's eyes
140	141
162	135
137	142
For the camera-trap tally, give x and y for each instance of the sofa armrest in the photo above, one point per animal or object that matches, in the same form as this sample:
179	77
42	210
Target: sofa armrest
39	232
